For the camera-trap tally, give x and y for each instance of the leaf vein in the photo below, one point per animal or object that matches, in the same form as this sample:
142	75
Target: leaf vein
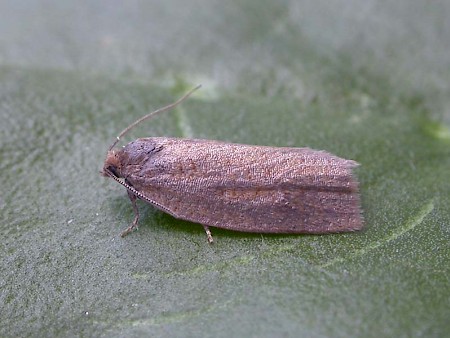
408	226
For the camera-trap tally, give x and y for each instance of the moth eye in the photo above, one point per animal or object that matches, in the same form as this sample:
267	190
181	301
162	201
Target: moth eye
113	170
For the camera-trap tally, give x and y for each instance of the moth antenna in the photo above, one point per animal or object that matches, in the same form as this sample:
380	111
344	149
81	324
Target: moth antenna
160	110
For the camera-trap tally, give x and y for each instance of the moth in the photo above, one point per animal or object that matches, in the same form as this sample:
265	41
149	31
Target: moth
238	187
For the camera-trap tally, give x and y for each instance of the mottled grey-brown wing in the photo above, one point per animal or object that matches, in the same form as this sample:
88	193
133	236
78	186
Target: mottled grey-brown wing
251	188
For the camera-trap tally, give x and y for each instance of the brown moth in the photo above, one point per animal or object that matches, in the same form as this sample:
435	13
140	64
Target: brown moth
237	187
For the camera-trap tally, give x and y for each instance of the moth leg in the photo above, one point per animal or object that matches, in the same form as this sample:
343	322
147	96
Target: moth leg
133	225
208	234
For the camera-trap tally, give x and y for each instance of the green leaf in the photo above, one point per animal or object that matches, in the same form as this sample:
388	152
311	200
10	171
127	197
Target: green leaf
365	83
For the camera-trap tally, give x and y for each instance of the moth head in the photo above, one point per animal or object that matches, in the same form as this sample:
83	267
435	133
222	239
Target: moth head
112	165
131	154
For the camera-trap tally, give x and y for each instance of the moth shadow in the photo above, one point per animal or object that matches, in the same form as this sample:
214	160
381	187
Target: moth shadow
182	226
153	218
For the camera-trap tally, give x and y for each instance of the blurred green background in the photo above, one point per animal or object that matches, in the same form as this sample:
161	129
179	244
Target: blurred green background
365	80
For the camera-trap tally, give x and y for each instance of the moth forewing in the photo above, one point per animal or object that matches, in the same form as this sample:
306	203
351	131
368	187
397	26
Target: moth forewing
242	187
